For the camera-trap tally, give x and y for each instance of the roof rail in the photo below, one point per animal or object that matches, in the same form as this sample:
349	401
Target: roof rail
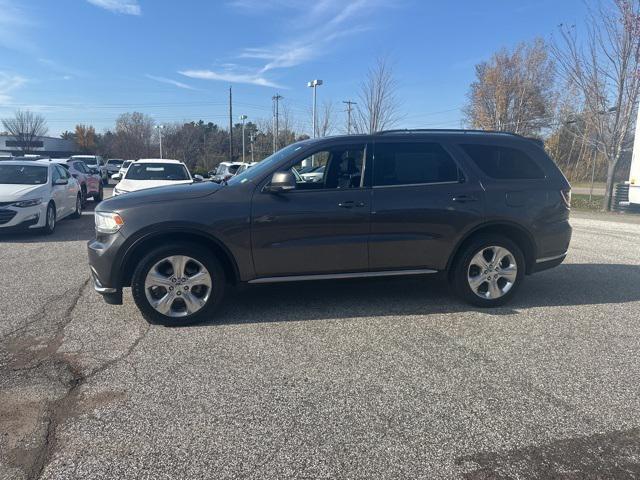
444	130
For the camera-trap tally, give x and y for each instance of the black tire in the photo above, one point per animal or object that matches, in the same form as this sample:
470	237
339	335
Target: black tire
97	197
460	270
50	226
83	192
195	251
78	212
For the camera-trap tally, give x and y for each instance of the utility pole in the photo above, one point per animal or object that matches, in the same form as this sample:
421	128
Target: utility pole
349	103
230	127
160	127
243	118
276	98
251	144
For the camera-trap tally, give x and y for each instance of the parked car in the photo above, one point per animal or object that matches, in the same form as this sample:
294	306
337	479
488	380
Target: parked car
90	182
484	208
245	166
123	169
225	171
35	195
97	163
152	172
315	174
113	166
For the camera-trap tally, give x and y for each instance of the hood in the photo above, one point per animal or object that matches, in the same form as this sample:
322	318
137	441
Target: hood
170	193
9	192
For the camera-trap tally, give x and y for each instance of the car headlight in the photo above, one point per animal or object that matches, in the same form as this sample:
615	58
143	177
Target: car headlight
28	203
108	222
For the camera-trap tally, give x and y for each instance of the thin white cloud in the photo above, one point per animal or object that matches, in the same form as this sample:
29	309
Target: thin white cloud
126	7
8	83
169	81
231	77
15	24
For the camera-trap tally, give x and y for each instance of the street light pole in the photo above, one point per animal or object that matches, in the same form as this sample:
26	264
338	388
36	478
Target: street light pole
243	118
160	127
314	84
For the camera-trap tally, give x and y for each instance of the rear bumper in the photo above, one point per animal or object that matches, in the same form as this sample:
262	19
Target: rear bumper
546	263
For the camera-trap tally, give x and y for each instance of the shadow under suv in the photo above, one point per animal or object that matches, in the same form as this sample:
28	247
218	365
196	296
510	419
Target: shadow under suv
484	207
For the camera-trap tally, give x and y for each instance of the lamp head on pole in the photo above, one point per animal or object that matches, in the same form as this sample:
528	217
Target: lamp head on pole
314	83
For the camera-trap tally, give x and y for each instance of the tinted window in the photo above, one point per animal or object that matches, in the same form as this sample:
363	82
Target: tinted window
412	163
62	171
22	175
157	171
337	167
80	167
503	162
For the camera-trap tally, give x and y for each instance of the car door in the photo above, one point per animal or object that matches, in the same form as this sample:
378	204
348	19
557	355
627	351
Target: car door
317	228
58	192
422	202
70	190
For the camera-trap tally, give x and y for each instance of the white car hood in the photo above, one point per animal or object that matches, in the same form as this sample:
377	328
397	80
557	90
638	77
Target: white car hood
135	185
10	192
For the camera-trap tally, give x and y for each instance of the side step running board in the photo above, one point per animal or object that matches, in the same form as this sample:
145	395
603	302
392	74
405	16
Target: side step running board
332	276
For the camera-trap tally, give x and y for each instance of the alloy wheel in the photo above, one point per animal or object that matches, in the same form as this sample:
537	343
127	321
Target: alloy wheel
492	272
178	286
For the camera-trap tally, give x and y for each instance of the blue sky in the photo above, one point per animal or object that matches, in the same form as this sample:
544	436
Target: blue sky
86	61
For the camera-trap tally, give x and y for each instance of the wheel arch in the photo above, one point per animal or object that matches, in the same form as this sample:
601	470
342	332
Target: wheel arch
514	232
155	239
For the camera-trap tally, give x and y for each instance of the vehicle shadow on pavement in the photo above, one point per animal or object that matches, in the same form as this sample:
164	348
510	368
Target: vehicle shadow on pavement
67	230
567	285
608	455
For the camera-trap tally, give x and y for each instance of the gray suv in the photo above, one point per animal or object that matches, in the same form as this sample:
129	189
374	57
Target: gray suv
487	208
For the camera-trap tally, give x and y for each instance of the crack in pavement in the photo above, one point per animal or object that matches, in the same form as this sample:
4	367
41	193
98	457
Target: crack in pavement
45	359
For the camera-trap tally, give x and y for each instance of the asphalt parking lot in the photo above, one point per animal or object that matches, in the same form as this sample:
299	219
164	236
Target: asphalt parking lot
386	378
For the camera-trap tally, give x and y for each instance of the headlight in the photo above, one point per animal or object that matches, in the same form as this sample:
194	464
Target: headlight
108	222
28	203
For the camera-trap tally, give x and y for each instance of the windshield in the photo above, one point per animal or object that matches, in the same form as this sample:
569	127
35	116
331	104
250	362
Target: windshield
265	165
114	162
157	171
88	161
23	175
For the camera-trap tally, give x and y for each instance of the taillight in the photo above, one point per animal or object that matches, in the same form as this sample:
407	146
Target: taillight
566	196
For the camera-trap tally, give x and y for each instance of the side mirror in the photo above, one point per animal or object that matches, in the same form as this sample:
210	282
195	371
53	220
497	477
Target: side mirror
116	176
282	182
198	178
61	181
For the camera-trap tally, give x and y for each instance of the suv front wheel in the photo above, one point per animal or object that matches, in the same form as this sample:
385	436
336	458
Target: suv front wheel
178	284
488	271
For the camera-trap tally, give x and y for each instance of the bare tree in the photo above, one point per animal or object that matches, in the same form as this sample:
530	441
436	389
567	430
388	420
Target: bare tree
514	91
378	103
134	132
25	127
326	120
605	69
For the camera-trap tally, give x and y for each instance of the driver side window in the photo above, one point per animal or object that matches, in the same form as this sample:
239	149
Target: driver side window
335	167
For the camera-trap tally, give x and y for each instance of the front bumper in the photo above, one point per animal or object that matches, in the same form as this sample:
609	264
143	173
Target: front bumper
104	263
16	218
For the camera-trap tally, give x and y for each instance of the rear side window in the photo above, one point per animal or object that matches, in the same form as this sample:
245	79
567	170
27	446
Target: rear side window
504	163
412	163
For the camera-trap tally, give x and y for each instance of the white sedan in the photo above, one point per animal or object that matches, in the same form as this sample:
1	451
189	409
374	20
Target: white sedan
152	172
35	195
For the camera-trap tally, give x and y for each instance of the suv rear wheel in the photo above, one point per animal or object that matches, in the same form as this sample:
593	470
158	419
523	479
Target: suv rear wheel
488	271
97	197
178	284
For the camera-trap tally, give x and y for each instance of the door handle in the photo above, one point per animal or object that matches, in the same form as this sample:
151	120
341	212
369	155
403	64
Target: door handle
464	198
350	204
